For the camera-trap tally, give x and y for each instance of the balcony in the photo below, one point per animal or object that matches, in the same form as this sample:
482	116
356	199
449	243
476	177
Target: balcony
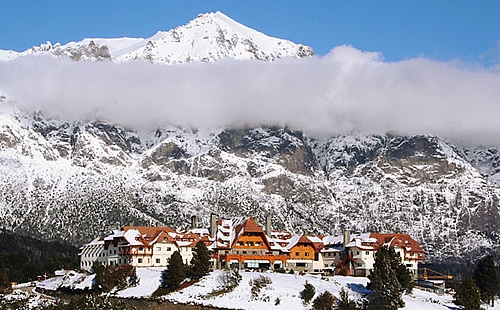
243	257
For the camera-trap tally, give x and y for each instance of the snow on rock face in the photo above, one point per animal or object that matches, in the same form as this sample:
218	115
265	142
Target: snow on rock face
85	50
72	180
209	37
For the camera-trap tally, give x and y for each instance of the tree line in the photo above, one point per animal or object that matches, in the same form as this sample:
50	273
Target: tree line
484	285
23	258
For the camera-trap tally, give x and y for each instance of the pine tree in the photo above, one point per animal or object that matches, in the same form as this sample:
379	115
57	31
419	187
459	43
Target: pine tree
175	273
308	293
200	264
345	303
467	295
384	283
324	301
486	278
100	272
402	274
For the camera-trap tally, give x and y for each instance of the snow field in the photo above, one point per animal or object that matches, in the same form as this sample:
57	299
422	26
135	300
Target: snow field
149	281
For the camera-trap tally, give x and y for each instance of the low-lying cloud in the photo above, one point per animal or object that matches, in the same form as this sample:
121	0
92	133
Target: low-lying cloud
346	91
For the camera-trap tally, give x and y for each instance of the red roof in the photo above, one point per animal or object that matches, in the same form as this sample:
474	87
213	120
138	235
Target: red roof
400	240
149	233
252	226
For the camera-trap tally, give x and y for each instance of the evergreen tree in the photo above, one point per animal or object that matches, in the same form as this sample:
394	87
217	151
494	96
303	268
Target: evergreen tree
200	264
384	283
486	278
345	303
100	272
175	273
402	274
4	281
324	301
467	295
308	293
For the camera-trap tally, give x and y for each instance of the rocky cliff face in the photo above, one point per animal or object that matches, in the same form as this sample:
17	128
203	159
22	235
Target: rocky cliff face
70	181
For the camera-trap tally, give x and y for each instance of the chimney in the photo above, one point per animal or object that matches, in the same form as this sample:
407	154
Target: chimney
347	237
213	225
194	222
268	226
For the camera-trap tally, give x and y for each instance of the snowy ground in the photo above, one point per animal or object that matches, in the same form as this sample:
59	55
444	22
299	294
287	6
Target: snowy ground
70	279
284	288
149	281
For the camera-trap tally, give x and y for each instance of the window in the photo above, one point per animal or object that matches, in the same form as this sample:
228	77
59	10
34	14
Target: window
141	248
357	252
367	253
334	254
139	260
307	253
169	249
157	260
297	253
158	248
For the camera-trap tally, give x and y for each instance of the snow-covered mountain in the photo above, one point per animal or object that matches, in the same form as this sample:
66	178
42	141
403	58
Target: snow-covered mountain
71	180
208	37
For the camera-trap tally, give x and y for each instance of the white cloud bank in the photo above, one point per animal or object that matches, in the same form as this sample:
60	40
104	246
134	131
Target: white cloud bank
346	91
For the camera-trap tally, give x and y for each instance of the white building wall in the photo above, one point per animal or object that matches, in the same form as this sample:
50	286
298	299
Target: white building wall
186	254
90	253
331	258
162	251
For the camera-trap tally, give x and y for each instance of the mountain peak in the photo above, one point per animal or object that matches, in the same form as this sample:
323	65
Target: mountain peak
208	37
211	37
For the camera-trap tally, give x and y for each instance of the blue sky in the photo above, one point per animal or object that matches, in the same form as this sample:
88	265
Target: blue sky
442	30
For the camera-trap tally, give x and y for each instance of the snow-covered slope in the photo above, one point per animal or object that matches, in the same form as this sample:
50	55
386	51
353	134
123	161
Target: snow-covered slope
8	55
208	37
281	292
73	180
284	292
221	37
